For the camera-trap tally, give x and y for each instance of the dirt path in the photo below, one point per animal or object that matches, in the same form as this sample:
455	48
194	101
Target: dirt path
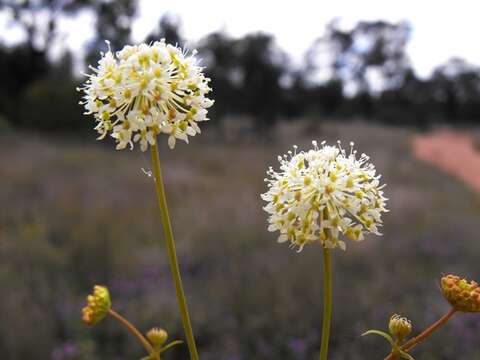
453	152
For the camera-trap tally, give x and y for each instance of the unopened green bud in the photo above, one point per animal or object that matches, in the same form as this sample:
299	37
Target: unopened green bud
98	305
157	337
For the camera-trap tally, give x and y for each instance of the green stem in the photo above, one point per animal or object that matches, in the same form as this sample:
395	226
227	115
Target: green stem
327	303
172	256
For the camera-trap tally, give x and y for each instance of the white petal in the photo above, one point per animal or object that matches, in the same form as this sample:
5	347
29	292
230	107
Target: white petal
171	141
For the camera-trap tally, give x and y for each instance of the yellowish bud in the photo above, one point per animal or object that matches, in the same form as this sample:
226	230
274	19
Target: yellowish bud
298	195
98	305
399	327
157	337
105	116
462	295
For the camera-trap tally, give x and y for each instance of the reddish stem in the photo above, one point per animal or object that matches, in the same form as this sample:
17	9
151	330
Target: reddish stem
135	332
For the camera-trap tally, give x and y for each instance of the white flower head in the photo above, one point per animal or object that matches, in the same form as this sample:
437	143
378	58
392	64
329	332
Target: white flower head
144	90
323	193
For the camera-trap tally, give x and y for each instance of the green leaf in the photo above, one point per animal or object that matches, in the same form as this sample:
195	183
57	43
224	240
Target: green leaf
172	344
382	334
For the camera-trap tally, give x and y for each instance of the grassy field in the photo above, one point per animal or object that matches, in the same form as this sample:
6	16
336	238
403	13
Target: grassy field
75	213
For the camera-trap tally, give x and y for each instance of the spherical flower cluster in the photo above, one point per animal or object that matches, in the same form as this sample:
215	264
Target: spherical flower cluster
400	327
145	90
322	193
461	294
98	306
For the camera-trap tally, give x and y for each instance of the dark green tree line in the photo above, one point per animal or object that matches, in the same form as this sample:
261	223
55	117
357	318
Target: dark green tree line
362	72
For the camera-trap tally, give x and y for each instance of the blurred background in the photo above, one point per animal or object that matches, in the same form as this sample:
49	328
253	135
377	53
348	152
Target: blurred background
400	79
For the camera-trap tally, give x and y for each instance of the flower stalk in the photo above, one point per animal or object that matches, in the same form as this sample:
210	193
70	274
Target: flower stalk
148	347
327	303
171	252
399	328
409	345
318	196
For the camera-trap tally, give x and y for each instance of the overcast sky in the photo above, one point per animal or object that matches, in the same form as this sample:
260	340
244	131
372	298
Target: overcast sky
441	29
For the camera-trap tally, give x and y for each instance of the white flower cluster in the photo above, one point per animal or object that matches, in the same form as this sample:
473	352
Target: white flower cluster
322	193
145	90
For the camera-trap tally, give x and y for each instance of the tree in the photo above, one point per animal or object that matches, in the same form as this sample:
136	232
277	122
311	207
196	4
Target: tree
220	58
28	64
370	52
114	20
169	29
457	88
260	70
